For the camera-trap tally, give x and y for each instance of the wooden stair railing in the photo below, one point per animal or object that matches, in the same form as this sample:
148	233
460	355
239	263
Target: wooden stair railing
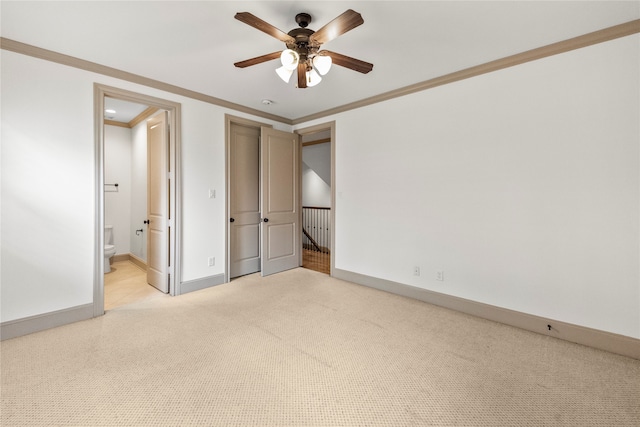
313	242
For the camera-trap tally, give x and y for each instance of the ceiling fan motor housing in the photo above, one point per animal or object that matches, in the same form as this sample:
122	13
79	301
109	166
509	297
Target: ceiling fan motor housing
303	19
302	45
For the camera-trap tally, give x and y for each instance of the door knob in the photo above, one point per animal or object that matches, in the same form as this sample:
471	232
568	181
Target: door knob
147	221
231	220
266	220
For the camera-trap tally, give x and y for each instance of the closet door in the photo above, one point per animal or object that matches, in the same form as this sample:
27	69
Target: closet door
244	200
280	201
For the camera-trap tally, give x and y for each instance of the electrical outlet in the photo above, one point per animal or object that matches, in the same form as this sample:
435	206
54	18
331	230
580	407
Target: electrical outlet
440	276
212	261
416	271
212	194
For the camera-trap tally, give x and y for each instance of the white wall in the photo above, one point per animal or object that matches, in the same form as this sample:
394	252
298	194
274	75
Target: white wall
316	175
48	200
315	192
117	170
48	191
521	185
318	158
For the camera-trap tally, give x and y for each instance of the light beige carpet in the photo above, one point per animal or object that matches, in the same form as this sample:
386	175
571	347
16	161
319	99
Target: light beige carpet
302	349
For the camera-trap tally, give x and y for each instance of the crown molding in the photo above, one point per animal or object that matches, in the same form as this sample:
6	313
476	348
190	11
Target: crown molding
116	123
600	36
49	55
142	116
589	39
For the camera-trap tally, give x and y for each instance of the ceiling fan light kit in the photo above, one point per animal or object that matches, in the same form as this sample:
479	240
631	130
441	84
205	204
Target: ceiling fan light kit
284	73
313	78
303	48
289	59
322	63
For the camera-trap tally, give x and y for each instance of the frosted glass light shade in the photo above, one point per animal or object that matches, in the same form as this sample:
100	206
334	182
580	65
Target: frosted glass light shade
284	73
289	59
322	63
313	78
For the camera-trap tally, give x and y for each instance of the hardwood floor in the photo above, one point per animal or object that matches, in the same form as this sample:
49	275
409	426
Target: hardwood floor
317	261
125	284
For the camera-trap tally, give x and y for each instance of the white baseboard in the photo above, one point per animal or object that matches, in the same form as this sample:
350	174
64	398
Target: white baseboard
614	343
41	322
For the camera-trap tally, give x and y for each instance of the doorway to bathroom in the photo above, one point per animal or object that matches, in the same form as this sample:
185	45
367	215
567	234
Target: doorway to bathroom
137	176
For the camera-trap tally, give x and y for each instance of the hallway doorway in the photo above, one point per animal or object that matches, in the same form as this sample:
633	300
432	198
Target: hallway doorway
318	197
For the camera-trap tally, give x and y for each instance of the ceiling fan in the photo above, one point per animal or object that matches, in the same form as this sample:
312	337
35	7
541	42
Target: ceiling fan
303	47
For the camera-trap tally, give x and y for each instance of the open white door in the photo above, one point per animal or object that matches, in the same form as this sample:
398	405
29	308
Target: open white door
279	199
158	202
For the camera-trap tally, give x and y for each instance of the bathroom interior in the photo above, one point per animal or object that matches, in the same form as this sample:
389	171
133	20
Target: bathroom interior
125	203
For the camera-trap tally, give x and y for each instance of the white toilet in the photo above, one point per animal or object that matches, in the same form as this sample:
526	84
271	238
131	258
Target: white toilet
109	247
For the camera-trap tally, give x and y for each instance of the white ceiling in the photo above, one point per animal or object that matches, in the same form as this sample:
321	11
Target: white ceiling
194	44
125	111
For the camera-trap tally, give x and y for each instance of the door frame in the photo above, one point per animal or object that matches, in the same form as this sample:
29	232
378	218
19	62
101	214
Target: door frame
314	129
228	120
101	91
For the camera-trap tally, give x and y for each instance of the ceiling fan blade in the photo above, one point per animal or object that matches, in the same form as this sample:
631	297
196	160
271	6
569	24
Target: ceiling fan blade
263	26
340	25
349	62
258	60
302	75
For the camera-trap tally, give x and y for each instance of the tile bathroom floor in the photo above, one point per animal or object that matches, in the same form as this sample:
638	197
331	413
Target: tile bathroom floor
126	283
